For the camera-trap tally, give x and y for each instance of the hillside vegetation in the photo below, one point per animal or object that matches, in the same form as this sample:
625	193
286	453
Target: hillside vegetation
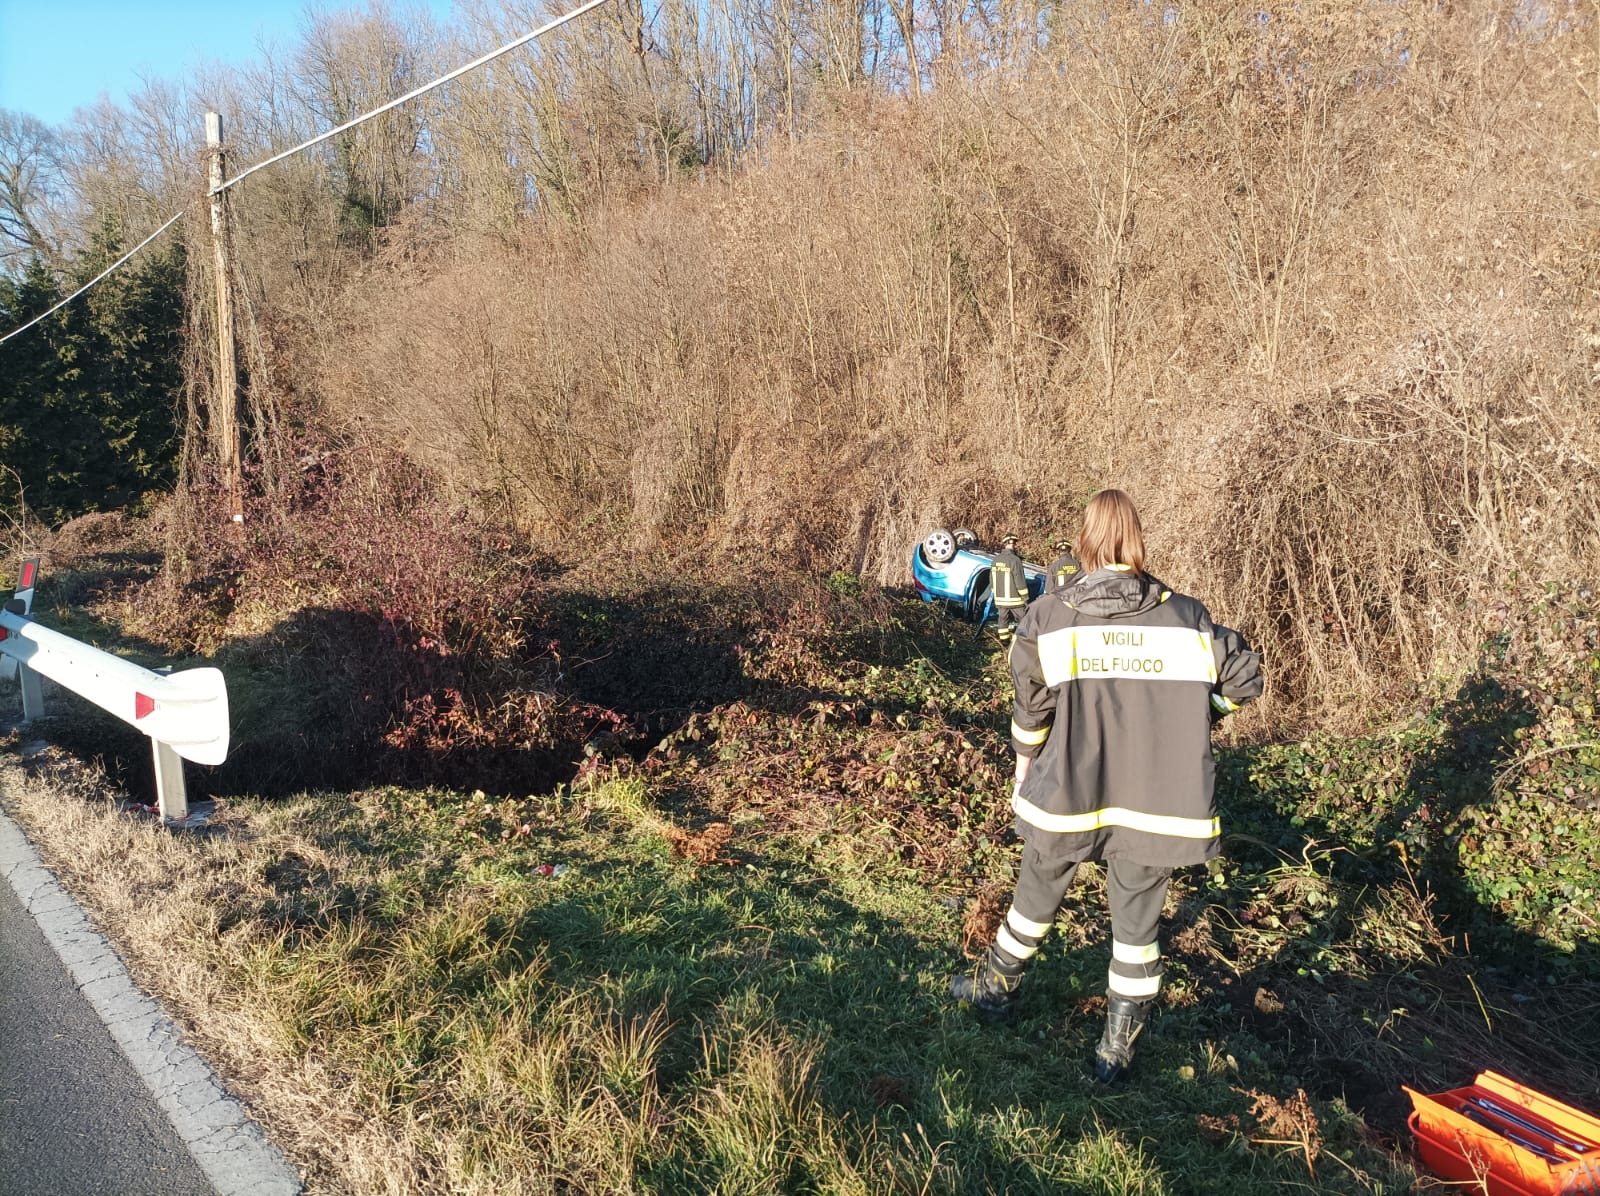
1331	318
1314	282
779	823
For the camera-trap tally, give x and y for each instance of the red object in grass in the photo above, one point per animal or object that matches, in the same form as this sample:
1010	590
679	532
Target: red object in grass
1507	1137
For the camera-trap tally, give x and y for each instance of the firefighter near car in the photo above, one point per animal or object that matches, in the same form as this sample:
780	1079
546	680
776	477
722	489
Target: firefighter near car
1118	680
1066	568
952	569
1010	588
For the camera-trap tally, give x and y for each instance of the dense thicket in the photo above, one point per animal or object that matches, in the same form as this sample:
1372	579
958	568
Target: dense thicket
87	397
1315	281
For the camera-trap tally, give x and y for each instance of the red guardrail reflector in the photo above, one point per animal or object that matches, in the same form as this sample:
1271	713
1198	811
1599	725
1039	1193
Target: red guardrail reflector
143	704
25	578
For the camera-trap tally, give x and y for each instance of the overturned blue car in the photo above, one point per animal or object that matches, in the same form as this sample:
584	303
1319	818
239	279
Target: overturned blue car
953	568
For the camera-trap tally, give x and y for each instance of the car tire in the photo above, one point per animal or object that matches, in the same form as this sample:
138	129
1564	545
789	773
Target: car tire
939	546
965	537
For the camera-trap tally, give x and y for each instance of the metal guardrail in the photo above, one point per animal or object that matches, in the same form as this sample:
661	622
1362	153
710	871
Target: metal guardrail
185	714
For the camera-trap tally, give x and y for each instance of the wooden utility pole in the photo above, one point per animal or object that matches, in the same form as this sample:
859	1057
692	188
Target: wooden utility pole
225	404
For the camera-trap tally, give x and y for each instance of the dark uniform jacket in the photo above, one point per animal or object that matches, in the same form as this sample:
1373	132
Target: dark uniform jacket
1063	573
1009	582
1117	683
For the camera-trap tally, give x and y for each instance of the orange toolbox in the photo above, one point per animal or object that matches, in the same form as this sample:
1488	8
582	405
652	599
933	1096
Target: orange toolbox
1506	1139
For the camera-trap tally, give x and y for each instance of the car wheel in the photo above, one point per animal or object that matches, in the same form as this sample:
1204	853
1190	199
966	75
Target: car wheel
965	537
939	546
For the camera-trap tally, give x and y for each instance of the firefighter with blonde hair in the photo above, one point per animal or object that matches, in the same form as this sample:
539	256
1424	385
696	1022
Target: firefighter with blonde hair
1118	681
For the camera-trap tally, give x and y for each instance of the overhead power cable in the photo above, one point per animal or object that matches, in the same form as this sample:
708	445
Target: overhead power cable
321	137
171	220
411	95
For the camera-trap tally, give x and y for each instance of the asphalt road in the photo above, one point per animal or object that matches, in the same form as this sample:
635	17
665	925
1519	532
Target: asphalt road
99	1092
75	1119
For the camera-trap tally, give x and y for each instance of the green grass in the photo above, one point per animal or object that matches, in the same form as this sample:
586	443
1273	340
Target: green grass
776	1023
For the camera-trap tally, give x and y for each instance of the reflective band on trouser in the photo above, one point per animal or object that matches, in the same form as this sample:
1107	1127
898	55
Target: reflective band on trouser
1005	941
1026	926
1127	953
1133	820
1136	988
1135	971
1224	704
1031	738
1132	652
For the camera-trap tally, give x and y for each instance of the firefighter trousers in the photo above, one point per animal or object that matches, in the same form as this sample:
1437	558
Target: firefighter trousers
1135	892
1005	620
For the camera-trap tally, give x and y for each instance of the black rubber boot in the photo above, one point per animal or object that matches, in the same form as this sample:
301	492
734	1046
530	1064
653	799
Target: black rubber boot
1124	1021
993	997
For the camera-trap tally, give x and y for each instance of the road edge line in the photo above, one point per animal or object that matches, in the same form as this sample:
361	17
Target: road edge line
224	1141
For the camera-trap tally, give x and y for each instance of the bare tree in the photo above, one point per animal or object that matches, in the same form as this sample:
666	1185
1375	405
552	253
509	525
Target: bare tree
348	64
31	182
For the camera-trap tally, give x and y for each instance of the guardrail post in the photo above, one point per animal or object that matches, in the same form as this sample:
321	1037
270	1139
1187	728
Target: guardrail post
171	798
32	694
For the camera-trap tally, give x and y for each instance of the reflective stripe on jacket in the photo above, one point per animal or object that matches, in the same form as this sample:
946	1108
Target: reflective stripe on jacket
1116	678
1064	572
1008	580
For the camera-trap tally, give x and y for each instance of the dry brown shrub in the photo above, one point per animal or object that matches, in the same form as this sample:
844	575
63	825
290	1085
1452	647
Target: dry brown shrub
703	847
1196	939
1326	312
1091	1007
983	919
1217	1129
90	533
1291	1122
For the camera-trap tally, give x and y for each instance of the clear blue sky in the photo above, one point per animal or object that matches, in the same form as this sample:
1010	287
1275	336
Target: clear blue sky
57	55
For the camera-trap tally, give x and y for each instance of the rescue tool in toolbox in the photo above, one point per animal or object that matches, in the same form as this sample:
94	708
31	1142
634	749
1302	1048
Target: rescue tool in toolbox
1507	1139
185	713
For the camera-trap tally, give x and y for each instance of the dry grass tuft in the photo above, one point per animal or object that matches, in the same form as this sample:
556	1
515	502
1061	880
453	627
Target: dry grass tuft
1290	1122
703	847
983	918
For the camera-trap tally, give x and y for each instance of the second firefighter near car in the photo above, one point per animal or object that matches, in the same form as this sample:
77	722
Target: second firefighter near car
1010	588
954	569
1118	680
